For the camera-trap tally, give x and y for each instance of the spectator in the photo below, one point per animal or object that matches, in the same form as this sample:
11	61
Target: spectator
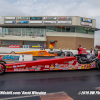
91	50
96	52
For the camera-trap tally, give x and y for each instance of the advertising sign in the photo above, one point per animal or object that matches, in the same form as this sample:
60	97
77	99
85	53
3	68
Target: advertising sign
50	18
22	18
49	22
36	22
86	20
9	17
87	24
10	58
64	18
35	18
25	46
14	46
64	22
37	46
9	22
22	22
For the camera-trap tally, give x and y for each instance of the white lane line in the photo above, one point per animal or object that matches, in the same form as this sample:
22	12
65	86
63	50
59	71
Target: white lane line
29	96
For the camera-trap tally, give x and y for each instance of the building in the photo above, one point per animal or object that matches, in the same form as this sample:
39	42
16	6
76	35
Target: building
65	32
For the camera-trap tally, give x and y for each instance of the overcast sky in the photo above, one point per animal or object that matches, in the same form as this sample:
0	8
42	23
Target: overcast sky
83	8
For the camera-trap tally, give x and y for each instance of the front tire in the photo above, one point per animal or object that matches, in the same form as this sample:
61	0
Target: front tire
2	68
2	61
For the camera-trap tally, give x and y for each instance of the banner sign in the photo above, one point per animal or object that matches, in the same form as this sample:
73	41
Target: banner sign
10	58
9	22
9	17
50	18
87	24
36	22
25	46
14	46
64	18
22	18
64	22
49	22
22	22
35	18
37	46
86	20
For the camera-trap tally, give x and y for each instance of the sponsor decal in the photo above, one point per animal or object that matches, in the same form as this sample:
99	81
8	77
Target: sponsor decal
22	22
56	65
34	67
77	64
18	65
85	66
62	18
66	62
45	69
82	67
55	69
49	22
22	65
50	18
87	24
39	65
36	22
65	65
46	66
52	66
16	69
9	22
71	62
73	68
27	68
22	18
9	17
10	57
14	66
14	46
41	53
8	66
35	18
22	69
79	67
51	69
86	20
64	22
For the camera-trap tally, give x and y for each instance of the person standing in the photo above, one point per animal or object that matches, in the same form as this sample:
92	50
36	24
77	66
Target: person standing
91	50
96	52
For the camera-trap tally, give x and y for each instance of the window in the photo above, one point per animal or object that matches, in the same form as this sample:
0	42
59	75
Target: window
9	31
59	29
72	29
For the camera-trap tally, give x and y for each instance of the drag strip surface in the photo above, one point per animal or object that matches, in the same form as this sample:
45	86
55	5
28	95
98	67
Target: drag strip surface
70	82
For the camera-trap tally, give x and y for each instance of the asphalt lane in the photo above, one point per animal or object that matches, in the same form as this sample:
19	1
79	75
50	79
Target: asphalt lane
71	82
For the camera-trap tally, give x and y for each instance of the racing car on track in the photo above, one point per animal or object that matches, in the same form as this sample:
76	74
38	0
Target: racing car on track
37	53
69	62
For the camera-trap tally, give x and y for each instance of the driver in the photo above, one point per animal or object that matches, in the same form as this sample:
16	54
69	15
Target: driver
82	52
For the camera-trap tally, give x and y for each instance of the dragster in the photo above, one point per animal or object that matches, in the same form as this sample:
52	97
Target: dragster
68	62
